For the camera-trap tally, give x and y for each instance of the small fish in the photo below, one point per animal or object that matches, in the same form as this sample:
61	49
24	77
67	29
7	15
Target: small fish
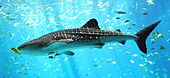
135	55
153	41
108	60
51	53
161	47
168	40
145	13
96	65
11	19
152	48
129	28
120	12
114	62
160	36
51	57
155	33
87	74
169	59
11	34
132	61
13	58
8	5
127	21
156	53
57	54
117	17
15	50
133	24
8	13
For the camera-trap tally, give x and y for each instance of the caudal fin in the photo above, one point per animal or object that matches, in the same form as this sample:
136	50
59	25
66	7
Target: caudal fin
142	36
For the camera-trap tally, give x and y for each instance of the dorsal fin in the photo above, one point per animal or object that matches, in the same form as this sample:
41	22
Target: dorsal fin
92	23
118	30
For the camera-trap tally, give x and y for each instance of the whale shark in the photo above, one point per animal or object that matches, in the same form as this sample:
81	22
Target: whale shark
89	35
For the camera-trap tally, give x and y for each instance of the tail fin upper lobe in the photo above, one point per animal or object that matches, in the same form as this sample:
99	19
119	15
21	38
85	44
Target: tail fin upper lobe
142	36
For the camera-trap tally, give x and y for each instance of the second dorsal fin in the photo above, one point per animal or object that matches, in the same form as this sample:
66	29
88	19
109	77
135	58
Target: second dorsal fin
118	30
92	23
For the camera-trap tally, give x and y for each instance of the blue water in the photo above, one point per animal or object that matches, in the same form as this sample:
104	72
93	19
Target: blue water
24	20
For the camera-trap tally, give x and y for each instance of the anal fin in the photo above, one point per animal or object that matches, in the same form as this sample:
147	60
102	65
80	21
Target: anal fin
70	53
122	42
99	45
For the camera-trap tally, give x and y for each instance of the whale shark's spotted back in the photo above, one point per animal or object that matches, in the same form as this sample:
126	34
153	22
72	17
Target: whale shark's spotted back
69	35
84	34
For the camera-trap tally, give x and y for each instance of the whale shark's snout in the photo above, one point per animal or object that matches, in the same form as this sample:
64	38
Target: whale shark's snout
26	46
33	44
32	47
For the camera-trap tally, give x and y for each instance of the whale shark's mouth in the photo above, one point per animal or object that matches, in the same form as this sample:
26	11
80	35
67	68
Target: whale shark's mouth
15	50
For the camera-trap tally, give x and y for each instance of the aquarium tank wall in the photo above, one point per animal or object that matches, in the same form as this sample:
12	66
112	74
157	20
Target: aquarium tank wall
25	20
